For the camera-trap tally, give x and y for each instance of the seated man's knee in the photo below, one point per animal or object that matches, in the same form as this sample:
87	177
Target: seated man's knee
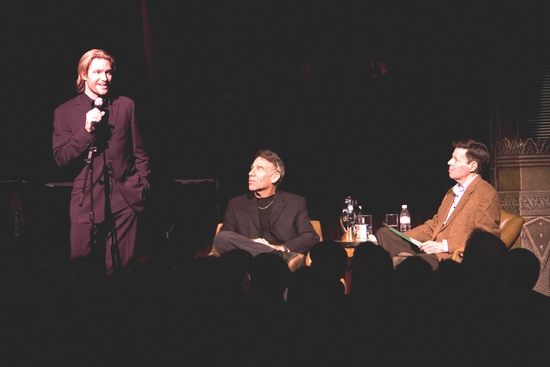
227	240
220	238
382	232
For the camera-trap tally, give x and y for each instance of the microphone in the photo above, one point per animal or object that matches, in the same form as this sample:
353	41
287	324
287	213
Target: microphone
98	103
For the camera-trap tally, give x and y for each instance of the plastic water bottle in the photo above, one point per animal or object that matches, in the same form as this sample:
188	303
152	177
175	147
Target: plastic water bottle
404	219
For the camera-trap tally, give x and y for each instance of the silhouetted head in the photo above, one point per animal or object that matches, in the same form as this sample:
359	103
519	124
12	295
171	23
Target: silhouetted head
369	259
522	269
329	257
269	275
371	271
484	258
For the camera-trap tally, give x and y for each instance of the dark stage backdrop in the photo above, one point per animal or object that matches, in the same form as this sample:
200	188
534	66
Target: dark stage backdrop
362	99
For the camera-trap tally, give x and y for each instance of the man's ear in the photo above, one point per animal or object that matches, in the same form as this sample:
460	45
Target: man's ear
474	166
275	177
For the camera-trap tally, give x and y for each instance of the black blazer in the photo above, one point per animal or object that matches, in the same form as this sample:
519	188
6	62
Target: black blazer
125	154
290	220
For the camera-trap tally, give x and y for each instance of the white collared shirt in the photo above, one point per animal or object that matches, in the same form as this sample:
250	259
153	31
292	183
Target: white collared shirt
458	190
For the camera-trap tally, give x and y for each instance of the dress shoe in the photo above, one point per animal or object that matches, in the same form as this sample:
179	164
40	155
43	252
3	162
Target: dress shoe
400	258
294	260
214	253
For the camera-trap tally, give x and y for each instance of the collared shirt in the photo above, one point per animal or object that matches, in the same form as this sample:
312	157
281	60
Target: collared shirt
458	190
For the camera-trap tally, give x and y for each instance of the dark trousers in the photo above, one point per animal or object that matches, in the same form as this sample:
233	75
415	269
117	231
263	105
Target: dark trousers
126	229
394	244
227	240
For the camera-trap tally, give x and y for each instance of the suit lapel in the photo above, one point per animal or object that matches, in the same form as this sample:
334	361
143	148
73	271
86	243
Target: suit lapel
113	112
83	104
463	200
279	204
446	205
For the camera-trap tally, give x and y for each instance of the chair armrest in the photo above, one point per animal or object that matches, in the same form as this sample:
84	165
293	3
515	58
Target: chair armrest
511	231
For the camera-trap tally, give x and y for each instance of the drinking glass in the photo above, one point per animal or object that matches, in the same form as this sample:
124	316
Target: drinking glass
360	229
392	220
368	222
363	226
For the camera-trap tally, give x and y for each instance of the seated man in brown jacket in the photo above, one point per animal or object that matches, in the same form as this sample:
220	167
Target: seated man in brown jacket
471	203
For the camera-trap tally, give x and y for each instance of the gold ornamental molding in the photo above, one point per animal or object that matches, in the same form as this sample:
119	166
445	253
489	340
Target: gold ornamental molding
511	204
523	153
517	147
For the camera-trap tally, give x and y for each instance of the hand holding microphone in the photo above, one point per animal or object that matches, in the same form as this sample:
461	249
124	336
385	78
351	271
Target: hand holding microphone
94	115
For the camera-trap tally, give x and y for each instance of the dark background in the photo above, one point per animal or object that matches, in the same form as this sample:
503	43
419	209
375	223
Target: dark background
230	78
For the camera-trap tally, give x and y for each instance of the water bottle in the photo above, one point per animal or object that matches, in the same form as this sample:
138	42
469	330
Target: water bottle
404	219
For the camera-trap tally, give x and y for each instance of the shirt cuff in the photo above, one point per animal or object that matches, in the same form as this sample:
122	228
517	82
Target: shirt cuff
445	246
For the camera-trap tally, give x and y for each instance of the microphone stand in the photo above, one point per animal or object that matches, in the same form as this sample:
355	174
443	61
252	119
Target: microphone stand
89	173
108	182
108	176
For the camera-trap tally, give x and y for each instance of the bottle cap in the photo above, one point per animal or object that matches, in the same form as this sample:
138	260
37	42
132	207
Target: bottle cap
403	206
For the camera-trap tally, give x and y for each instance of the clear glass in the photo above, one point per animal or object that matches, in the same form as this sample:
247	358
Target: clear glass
366	220
392	220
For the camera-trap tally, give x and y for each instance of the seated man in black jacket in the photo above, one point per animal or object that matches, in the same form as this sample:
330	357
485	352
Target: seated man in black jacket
267	219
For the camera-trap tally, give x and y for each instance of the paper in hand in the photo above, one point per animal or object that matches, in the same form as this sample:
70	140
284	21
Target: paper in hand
402	235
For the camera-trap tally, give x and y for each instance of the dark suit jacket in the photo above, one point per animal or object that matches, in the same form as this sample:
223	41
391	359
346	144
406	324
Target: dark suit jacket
479	207
291	225
125	154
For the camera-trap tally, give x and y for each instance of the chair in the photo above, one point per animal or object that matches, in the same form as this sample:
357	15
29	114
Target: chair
317	227
510	229
315	223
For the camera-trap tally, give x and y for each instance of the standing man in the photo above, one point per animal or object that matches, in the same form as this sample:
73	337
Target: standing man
97	132
471	203
267	219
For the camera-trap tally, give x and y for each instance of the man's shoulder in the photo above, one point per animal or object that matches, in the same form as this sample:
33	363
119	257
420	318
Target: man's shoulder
290	195
482	185
122	100
243	197
123	103
76	100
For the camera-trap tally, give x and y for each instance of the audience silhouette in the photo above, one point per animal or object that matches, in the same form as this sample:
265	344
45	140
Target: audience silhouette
316	295
527	310
522	270
322	281
253	311
372	276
